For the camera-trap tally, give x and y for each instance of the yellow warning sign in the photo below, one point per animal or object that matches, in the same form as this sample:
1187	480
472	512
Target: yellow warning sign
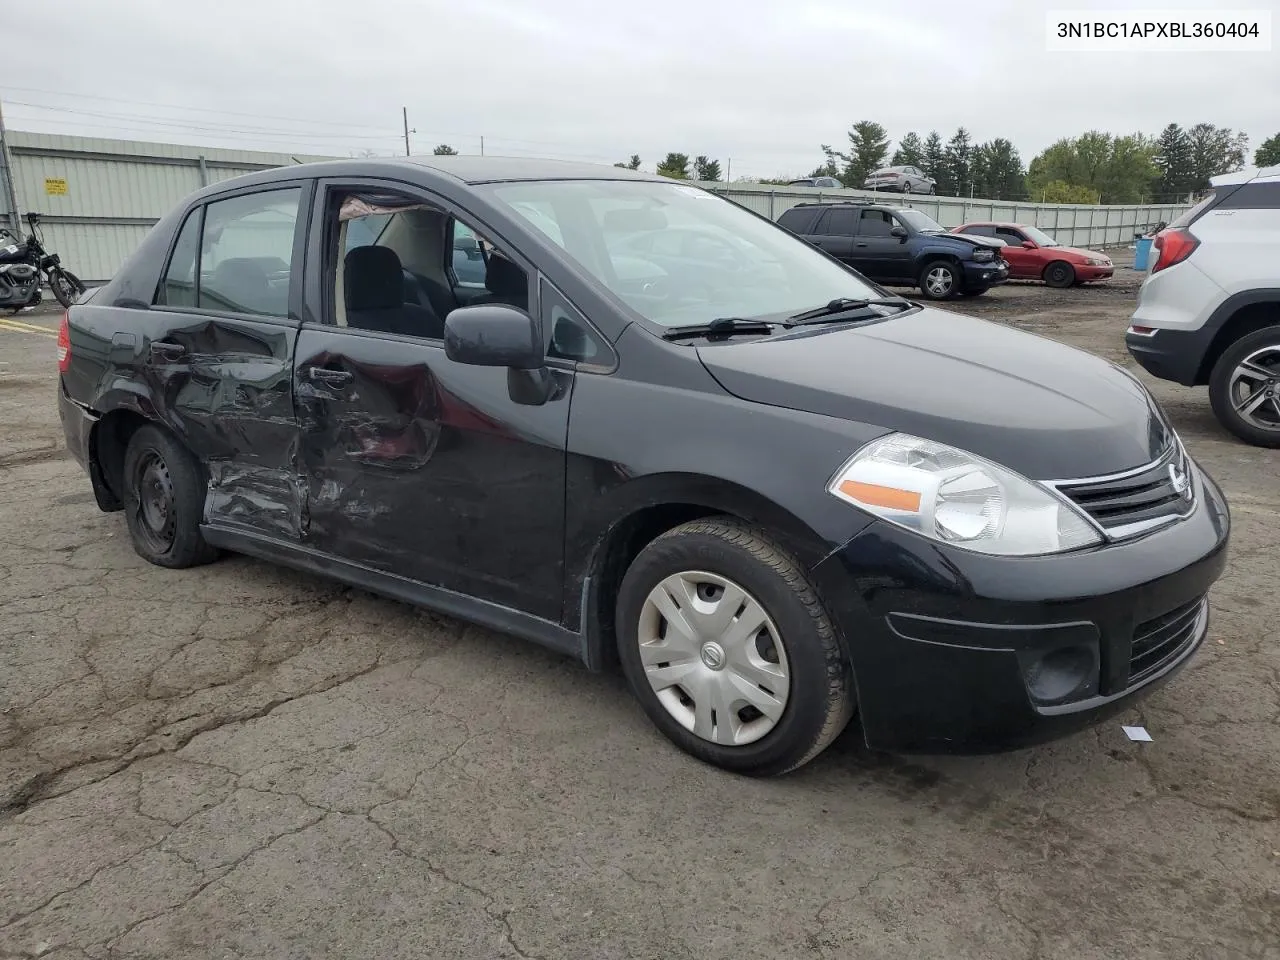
55	186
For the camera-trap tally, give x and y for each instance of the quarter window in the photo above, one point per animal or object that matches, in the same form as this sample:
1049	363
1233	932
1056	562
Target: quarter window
246	253
178	288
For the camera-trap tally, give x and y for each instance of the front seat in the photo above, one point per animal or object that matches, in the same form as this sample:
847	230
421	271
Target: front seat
374	282
506	283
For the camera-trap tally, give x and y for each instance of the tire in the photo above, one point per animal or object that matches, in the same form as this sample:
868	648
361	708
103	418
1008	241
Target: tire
932	190
807	686
1059	274
163	500
931	282
66	286
906	187
1229	386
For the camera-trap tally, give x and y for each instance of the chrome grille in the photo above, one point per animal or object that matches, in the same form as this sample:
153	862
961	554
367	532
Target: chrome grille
1130	503
1161	639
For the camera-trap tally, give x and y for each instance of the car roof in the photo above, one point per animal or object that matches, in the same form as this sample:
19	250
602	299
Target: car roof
1246	175
995	223
861	205
468	170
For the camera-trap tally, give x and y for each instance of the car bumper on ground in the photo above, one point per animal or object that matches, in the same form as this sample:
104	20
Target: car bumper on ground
985	274
959	652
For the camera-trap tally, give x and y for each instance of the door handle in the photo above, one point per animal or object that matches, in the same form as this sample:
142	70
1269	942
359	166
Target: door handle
327	375
161	350
859	244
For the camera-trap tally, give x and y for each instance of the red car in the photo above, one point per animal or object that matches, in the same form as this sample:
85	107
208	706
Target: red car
1034	255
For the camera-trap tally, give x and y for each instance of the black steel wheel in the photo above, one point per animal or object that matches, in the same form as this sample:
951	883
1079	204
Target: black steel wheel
163	500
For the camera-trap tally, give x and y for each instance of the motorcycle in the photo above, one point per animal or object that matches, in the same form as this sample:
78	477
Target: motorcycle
24	263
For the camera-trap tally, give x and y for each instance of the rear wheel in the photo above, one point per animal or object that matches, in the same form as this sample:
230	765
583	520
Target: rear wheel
730	652
939	280
1059	274
66	286
163	500
1244	388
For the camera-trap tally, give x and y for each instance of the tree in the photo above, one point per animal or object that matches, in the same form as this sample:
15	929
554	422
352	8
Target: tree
1004	174
958	157
1269	153
1115	169
1056	191
1214	150
444	150
1173	159
935	163
868	146
632	164
675	165
910	152
705	169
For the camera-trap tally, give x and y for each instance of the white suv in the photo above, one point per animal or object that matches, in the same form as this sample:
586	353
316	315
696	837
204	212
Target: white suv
1209	311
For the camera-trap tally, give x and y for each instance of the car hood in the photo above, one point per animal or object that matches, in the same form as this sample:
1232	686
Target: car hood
1044	409
1077	252
973	239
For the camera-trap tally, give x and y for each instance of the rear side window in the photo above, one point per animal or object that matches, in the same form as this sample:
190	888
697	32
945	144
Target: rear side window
178	288
246	253
840	223
980	231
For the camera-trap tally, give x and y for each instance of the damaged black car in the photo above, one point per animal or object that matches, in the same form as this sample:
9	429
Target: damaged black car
649	428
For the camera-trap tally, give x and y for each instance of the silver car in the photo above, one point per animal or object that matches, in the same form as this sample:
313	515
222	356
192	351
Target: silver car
900	179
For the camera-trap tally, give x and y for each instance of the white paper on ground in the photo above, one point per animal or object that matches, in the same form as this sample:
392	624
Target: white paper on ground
1137	733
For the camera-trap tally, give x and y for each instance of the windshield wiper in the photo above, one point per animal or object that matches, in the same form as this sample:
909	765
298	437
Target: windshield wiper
719	329
847	305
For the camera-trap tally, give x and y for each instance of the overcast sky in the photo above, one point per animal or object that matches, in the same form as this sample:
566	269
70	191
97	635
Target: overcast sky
763	82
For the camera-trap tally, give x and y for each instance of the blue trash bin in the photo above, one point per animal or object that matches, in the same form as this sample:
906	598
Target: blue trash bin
1142	253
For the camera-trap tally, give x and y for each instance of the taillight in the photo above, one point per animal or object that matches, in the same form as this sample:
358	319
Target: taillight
64	343
1172	246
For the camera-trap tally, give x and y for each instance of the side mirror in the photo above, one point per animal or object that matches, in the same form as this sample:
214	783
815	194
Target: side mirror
898	231
1029	244
493	335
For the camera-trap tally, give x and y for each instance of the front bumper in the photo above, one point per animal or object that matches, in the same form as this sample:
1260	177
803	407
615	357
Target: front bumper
985	274
1087	274
957	652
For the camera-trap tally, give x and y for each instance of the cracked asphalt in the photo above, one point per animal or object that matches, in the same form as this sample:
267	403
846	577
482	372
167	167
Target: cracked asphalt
240	761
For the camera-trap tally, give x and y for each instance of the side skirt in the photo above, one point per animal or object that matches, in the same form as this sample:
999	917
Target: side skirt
482	612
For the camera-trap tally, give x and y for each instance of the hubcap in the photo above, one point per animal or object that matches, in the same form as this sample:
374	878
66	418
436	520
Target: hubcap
1252	388
714	658
938	281
155	508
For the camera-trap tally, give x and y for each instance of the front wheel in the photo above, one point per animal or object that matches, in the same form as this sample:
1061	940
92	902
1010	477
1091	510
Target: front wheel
1244	388
939	280
1059	274
66	286
728	649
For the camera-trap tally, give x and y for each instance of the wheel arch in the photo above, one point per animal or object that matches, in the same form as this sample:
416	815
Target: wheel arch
1251	313
645	509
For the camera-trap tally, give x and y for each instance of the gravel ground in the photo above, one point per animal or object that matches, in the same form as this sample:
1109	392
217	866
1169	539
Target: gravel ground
242	761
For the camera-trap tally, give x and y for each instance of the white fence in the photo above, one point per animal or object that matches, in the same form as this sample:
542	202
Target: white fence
1076	225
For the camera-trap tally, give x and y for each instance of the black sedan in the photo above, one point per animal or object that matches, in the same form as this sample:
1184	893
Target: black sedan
777	504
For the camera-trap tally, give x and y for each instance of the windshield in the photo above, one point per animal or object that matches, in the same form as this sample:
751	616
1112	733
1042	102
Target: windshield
920	221
678	255
1040	237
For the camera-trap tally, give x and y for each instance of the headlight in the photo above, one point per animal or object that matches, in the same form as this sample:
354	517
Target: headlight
953	496
1096	263
983	255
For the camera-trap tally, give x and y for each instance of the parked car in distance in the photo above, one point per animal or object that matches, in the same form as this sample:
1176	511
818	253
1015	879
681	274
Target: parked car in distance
829	182
901	179
1208	312
775	505
896	246
1034	255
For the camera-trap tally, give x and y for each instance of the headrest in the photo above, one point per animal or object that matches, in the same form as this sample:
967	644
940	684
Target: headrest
374	279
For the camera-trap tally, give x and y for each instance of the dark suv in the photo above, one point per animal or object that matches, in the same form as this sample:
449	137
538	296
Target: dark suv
895	245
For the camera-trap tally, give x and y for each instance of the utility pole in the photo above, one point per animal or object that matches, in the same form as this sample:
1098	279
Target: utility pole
482	146
407	131
728	168
7	180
